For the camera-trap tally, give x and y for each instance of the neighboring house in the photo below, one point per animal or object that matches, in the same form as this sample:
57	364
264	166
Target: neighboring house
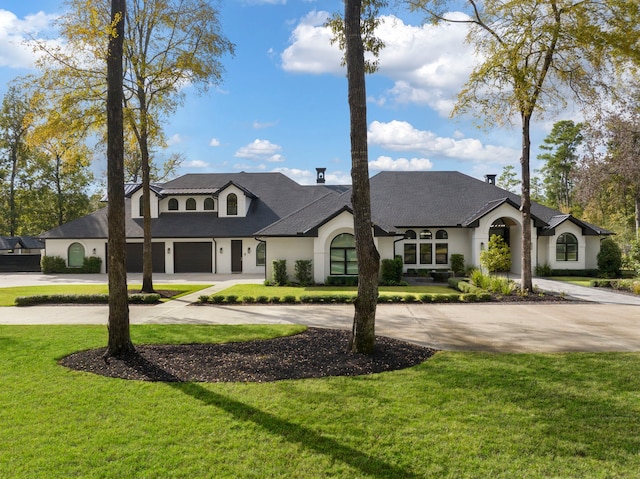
242	222
20	254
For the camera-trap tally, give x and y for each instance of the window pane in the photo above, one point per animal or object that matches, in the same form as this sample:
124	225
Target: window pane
410	234
261	251
173	204
442	234
572	252
232	205
561	252
426	253
351	254
337	254
352	268
208	204
76	255
425	234
141	206
337	268
410	253
442	253
344	240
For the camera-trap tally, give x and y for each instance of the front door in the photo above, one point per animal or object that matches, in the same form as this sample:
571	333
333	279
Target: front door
236	256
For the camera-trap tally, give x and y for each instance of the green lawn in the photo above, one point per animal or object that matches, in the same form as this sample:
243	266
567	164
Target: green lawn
458	415
256	290
9	295
578	280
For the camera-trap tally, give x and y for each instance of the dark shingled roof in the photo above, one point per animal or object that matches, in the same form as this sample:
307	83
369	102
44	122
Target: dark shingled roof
282	207
20	242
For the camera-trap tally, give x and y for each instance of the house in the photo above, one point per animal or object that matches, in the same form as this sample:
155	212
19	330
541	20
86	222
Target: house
242	222
20	254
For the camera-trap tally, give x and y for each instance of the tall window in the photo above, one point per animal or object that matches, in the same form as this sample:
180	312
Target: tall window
173	204
141	206
426	253
261	254
191	204
425	235
232	205
410	253
208	204
442	253
567	248
343	255
75	255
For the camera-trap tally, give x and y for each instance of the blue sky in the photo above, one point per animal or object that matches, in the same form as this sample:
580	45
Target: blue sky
282	105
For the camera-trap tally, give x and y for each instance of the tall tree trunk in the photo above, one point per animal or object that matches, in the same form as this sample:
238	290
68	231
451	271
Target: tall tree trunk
363	333
59	192
13	213
119	335
636	199
147	249
526	282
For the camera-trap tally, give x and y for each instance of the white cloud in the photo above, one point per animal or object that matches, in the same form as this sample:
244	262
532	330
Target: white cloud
428	64
260	150
310	50
175	140
16	43
214	142
195	164
259	125
402	136
386	163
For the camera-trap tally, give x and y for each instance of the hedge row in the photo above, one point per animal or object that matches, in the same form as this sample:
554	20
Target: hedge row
57	265
103	298
630	285
469	297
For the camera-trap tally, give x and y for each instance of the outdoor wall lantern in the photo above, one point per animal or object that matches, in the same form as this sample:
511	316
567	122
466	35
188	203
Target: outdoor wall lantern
94	251
169	250
220	250
481	246
249	249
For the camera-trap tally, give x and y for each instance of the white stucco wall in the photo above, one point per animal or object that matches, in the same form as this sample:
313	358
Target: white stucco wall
243	202
289	249
60	247
135	204
592	249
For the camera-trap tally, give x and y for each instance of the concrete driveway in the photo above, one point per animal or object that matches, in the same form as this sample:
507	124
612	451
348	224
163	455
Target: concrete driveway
612	323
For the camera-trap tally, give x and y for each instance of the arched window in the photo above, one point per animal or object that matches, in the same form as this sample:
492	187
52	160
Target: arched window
410	234
567	248
442	234
173	204
261	254
75	255
141	206
208	204
425	235
191	204
232	205
343	255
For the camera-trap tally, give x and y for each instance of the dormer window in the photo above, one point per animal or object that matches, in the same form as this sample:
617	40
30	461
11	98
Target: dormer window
173	204
141	206
232	205
191	204
208	204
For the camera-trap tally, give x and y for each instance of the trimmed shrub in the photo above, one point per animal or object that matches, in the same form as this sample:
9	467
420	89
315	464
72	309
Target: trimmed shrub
342	281
262	299
457	264
91	265
303	272
203	298
409	298
289	299
426	298
102	298
543	270
391	270
231	299
216	299
274	299
609	258
248	299
280	272
53	264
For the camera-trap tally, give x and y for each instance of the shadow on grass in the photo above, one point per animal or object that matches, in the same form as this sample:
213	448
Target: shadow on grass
293	433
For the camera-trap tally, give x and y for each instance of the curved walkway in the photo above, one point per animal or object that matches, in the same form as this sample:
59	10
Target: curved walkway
602	321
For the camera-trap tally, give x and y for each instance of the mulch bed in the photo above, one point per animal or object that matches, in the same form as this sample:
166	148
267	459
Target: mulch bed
313	353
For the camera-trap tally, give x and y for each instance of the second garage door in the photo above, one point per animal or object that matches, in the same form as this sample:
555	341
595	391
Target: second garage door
195	257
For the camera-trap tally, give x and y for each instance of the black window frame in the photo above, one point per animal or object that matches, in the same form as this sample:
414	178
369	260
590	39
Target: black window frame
191	201
346	253
207	202
232	206
563	248
409	256
173	202
428	257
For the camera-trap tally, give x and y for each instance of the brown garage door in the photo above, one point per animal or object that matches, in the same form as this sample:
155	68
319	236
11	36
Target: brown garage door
134	257
193	257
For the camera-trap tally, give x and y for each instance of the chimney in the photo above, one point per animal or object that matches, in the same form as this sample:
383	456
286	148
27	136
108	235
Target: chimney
491	179
320	175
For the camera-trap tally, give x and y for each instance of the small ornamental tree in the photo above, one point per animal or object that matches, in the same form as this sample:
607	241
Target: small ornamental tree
609	259
497	257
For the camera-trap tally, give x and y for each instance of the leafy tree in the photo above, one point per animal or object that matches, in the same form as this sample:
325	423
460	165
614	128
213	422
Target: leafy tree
497	256
536	55
15	121
363	331
561	157
508	179
168	44
119	333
